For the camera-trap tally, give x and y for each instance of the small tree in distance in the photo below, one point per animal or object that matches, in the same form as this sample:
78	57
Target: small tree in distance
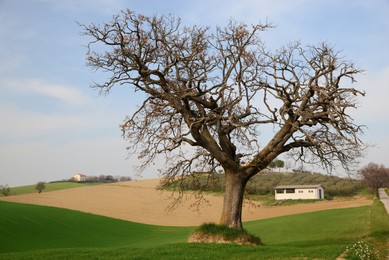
375	177
277	164
5	190
215	89
40	186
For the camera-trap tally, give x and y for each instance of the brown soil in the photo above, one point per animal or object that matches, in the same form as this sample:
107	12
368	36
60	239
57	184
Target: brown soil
140	201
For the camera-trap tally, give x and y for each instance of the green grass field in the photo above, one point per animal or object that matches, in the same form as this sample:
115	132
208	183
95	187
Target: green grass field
29	227
37	232
49	187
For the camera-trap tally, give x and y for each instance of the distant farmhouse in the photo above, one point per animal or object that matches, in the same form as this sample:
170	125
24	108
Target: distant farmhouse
296	192
79	177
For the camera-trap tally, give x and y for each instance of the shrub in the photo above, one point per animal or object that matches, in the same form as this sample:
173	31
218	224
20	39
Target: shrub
5	190
362	251
40	186
222	234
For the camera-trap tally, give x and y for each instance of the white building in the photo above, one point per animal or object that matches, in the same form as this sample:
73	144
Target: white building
296	192
79	177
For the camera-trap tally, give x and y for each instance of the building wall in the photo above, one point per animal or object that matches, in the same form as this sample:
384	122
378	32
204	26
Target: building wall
300	193
79	177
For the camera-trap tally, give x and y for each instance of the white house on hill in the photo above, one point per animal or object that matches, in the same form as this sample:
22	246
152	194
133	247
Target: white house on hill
79	177
296	192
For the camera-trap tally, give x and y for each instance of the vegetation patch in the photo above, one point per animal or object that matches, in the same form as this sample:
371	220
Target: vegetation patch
263	184
289	202
52	186
362	250
212	233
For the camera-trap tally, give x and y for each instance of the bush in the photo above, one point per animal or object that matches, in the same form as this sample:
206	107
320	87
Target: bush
5	190
40	186
222	234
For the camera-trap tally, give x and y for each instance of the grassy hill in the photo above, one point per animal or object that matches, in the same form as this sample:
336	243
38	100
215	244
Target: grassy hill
36	232
264	183
49	187
333	185
38	227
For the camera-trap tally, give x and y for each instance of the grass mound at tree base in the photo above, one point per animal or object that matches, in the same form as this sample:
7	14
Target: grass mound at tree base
212	233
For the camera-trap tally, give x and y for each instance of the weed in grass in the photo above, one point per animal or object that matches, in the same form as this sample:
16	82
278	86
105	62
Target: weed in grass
362	251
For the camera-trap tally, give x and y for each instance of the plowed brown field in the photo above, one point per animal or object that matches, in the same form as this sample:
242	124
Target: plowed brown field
140	201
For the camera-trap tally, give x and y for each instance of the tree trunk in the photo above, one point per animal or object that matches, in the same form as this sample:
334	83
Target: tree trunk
233	200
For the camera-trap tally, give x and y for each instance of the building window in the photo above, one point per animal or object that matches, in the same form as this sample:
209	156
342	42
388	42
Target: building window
310	191
301	191
279	191
290	191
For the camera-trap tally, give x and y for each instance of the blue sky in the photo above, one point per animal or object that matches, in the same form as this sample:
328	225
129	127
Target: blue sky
52	125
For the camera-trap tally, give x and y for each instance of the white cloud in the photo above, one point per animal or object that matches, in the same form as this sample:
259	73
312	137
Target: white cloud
63	93
27	110
21	124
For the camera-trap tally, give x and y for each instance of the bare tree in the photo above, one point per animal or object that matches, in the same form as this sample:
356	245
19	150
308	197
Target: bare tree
5	190
40	186
215	89
374	177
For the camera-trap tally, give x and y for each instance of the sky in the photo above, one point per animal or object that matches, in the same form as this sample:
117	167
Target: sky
53	125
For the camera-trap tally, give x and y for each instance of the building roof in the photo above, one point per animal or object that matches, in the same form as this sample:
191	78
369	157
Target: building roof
311	186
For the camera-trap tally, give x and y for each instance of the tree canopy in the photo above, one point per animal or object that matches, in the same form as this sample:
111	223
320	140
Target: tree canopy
216	89
375	177
40	186
277	164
